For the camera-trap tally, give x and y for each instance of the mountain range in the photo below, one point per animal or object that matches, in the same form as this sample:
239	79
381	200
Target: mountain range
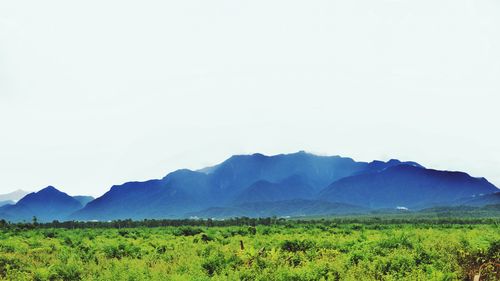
297	184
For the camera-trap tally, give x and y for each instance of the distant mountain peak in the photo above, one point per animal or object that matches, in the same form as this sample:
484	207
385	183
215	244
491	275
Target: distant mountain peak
49	188
182	172
47	204
49	192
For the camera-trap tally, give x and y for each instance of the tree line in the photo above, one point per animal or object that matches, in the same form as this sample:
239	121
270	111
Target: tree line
243	221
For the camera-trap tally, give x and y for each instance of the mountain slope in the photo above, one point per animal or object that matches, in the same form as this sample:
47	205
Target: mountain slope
293	187
287	208
47	204
8	202
480	200
405	185
169	197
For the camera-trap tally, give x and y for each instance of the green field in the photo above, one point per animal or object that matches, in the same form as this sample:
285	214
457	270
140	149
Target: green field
287	250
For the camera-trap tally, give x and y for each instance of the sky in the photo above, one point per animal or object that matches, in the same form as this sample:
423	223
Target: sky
97	93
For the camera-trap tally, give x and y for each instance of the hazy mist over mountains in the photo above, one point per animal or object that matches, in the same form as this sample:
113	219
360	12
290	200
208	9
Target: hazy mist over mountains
13	196
298	184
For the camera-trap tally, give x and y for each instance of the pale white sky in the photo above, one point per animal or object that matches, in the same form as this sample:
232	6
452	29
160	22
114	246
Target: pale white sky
96	93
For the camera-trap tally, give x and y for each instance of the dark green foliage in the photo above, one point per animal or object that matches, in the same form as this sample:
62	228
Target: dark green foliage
252	230
214	261
188	231
205	238
67	272
296	245
8	264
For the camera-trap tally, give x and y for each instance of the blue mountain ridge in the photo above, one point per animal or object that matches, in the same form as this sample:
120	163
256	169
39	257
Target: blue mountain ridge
298	184
225	184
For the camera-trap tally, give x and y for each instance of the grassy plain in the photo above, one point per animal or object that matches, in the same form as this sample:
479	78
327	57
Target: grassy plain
291	250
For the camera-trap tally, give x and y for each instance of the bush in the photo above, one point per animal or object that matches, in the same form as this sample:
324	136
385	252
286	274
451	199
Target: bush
8	264
214	262
188	231
252	230
66	272
122	250
296	245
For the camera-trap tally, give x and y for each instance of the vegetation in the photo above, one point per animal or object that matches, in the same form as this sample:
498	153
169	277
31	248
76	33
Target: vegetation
252	249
